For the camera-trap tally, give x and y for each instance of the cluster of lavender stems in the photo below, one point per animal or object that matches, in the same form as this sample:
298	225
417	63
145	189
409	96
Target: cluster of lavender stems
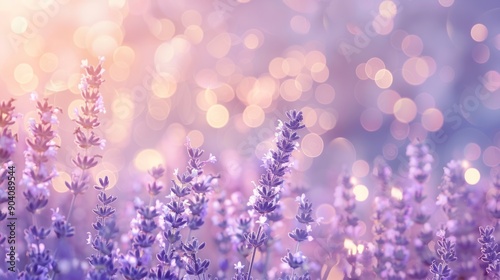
187	208
164	235
102	263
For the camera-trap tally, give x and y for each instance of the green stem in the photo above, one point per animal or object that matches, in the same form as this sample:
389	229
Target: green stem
253	255
189	235
268	254
297	247
71	207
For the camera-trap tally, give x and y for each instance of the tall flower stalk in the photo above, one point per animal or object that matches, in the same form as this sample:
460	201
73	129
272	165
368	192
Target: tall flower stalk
454	200
87	120
490	252
39	170
102	264
383	219
420	167
266	194
296	259
446	252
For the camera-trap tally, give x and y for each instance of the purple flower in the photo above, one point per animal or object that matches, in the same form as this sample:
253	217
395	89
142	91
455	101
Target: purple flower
266	194
7	138
490	251
87	119
445	250
420	162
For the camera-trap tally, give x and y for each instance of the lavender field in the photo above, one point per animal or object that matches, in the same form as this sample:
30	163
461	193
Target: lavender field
250	139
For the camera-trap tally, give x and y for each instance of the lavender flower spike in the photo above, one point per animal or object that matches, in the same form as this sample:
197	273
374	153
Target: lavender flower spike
266	194
490	251
446	253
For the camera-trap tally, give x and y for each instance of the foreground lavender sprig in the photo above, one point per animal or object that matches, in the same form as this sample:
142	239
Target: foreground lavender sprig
490	252
102	264
300	234
40	169
87	119
266	194
445	250
40	157
455	201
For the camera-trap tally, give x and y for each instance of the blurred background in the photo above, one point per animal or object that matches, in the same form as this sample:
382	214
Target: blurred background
370	77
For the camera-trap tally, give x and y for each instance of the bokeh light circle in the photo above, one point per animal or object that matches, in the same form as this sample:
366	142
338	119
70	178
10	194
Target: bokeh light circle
405	110
253	116
217	116
479	32
360	192
147	158
312	145
371	119
472	176
432	119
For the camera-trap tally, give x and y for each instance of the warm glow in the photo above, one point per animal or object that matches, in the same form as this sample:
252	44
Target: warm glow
58	182
312	145
147	158
479	32
397	193
383	78
326	212
360	192
472	176
352	248
217	116
432	119
405	110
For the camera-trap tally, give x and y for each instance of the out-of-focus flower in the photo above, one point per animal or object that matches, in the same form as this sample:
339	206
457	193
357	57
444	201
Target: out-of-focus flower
420	162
